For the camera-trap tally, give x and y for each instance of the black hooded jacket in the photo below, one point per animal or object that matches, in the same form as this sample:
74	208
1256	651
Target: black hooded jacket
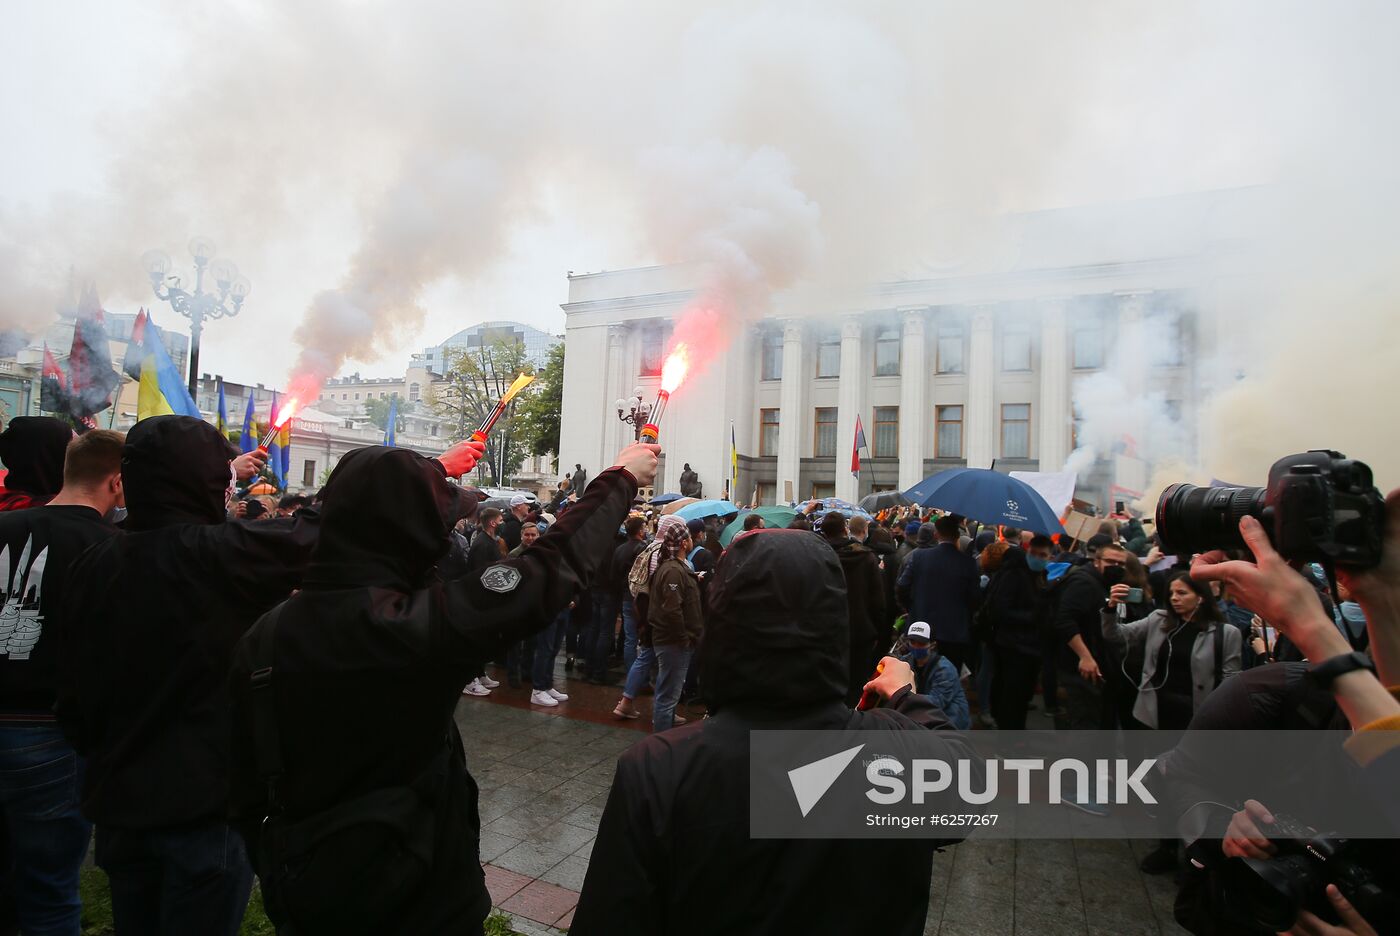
152	618
369	658
33	449
673	853
1015	600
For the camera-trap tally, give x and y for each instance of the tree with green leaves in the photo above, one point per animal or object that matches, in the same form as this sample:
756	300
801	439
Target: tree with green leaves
541	405
378	410
474	379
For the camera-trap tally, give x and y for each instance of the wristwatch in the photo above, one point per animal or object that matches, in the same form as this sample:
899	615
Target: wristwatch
1323	674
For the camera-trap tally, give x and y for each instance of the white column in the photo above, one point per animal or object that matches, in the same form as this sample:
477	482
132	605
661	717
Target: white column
1131	362
616	386
849	398
792	415
981	422
913	400
1053	444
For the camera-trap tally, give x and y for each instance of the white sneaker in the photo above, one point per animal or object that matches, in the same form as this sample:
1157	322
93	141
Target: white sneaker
557	695
540	697
487	681
476	688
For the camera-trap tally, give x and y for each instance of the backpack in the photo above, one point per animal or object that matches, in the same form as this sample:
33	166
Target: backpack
639	578
351	868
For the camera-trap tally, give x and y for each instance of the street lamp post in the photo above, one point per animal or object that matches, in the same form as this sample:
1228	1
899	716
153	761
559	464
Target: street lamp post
225	302
634	411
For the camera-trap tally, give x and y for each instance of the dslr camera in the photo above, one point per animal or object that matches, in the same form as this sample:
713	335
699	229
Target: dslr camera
1271	892
1319	506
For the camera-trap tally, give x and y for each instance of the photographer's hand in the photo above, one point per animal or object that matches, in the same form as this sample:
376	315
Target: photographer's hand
1274	590
1117	595
1243	838
1378	592
894	675
1352	924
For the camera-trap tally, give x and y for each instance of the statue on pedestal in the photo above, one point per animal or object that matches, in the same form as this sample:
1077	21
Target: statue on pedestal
690	482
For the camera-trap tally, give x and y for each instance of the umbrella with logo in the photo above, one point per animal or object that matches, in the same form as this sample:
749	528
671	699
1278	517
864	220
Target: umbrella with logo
825	505
988	497
661	500
699	510
774	518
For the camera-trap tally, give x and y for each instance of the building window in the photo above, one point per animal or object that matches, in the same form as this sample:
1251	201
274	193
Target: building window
772	355
381	394
821	489
949	434
1016	350
653	351
767	492
829	355
1167	338
345	396
886	432
887	353
950	349
308	473
357	396
1015	430
1088	346
825	436
434	430
413	389
1173	408
767	432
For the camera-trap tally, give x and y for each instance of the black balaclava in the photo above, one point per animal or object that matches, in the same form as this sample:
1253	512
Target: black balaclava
175	469
384	521
32	448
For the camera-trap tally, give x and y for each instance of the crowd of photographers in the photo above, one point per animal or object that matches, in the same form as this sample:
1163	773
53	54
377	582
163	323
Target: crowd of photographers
225	685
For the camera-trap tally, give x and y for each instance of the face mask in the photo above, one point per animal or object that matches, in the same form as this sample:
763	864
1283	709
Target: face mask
1037	564
1351	612
919	653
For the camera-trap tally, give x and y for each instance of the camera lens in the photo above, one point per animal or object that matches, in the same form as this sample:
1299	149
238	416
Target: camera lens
1192	519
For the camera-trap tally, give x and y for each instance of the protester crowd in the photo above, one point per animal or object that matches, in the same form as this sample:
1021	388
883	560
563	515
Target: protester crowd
219	685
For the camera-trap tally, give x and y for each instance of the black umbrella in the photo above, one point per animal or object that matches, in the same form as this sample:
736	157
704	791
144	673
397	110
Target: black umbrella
883	500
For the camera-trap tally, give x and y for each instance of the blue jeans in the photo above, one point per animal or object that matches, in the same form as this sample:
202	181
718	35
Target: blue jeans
546	649
40	776
639	672
629	633
672	660
169	882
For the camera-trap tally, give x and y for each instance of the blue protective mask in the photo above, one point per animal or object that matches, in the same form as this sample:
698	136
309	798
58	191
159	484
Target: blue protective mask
920	653
1036	563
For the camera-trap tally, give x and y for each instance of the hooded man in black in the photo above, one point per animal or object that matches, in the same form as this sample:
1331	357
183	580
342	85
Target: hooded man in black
674	854
358	677
152	618
865	600
32	449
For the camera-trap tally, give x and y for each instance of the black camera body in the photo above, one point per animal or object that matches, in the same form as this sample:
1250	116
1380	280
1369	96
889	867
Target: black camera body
1272	891
1319	506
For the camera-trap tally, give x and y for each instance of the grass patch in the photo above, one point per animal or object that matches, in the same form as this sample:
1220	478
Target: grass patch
97	907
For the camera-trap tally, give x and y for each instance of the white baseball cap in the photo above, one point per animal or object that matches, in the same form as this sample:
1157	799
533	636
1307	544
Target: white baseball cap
920	630
519	500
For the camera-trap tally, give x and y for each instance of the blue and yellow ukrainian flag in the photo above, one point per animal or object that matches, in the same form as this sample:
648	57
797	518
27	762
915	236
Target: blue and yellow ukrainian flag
249	440
733	464
277	447
222	422
162	392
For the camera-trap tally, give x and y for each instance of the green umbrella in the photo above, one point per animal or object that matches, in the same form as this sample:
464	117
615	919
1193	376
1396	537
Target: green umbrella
773	517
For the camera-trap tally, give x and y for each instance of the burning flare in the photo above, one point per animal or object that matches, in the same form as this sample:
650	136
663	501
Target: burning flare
674	370
284	416
520	383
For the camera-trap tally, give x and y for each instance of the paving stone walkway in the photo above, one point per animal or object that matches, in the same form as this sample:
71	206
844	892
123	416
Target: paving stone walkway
544	776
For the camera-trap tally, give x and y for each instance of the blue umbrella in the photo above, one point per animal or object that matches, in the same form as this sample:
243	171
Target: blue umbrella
706	508
828	504
988	497
661	500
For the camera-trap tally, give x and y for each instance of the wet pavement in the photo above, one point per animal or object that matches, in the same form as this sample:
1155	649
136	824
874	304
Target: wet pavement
544	775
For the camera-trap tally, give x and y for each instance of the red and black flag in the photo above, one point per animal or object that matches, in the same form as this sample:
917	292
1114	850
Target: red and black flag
91	379
53	385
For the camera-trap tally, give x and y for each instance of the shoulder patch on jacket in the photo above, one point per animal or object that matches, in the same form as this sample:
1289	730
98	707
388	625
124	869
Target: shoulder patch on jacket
500	579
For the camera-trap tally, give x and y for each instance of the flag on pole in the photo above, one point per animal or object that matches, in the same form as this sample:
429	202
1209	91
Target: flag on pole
53	386
222	422
733	462
91	379
248	440
284	439
389	436
858	444
274	448
162	392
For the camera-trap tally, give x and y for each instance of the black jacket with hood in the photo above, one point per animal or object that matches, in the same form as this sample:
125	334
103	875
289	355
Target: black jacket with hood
673	853
370	657
152	618
865	606
33	449
1015	601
